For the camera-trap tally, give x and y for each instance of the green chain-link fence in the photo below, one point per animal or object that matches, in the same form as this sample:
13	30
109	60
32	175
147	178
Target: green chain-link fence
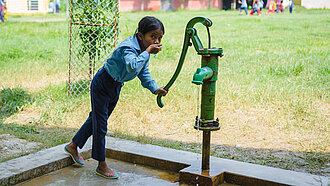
94	29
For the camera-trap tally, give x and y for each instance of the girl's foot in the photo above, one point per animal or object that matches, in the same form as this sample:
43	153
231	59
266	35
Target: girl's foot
71	149
103	170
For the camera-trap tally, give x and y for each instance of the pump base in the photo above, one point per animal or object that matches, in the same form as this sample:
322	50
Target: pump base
196	176
206	125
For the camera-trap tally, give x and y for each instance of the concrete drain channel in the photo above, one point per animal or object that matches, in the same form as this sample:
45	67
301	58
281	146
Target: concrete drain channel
130	174
144	164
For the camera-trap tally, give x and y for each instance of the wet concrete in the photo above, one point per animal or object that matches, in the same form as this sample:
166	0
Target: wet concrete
129	174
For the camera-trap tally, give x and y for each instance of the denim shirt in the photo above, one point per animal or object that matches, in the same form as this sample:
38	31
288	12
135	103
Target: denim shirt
127	62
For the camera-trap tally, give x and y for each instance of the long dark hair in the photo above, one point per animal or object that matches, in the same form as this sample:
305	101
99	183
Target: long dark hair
149	23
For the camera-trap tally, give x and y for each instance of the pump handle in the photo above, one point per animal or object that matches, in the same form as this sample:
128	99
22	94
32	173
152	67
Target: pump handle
190	33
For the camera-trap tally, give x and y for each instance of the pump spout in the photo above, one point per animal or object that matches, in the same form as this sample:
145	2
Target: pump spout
202	74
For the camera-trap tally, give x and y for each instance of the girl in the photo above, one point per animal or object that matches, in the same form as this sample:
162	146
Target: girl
272	7
279	6
244	6
2	11
291	5
255	8
129	60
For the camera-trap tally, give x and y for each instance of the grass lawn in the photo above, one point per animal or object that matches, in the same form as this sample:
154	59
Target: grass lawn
272	95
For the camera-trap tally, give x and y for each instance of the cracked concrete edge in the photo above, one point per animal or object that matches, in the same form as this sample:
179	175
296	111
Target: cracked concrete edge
48	160
33	165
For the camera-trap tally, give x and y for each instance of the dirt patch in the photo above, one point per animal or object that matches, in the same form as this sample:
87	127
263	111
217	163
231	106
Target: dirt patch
27	115
36	83
11	146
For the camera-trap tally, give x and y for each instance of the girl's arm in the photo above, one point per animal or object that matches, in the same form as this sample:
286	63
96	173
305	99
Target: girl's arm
149	83
134	62
146	80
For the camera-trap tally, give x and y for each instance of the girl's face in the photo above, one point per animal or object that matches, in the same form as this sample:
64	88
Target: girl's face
152	37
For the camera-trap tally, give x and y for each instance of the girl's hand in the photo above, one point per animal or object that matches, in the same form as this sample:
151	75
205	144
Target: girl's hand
162	91
154	48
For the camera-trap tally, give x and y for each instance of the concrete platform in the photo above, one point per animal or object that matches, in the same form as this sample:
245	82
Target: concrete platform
186	164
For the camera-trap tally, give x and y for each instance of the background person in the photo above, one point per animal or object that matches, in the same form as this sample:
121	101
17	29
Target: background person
243	6
291	6
272	7
255	8
2	10
279	6
57	6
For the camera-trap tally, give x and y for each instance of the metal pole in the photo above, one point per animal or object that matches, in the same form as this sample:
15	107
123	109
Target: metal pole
208	105
70	47
116	24
206	150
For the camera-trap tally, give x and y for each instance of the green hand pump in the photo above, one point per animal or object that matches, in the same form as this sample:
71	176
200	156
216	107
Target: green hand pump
206	76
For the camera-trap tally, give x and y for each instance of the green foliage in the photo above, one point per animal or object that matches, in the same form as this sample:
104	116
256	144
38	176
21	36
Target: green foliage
80	87
97	26
13	99
324	71
11	53
285	70
14	127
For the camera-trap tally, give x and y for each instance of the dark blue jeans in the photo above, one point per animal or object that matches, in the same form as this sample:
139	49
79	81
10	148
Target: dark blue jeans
104	96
